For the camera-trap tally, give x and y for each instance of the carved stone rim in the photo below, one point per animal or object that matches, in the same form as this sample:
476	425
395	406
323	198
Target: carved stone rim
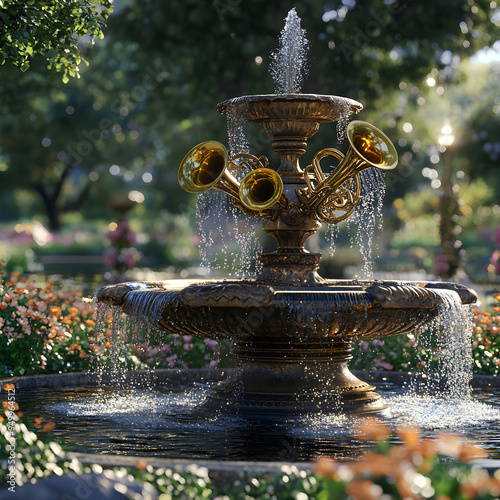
251	293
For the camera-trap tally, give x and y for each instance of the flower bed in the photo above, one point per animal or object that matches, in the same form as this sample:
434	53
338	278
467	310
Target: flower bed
44	330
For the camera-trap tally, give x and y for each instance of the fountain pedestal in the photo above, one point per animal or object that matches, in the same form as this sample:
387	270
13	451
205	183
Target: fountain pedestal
297	378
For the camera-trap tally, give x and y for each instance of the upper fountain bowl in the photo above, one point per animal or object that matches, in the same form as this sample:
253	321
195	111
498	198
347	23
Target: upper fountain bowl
291	119
295	107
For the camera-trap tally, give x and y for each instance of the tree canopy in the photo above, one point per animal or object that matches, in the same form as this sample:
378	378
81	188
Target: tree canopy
49	29
150	91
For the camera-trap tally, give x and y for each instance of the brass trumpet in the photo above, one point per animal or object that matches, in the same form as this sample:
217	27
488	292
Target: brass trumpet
206	166
369	147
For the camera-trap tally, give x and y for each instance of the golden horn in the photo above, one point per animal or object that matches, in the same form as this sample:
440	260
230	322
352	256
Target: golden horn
372	145
205	167
261	189
369	147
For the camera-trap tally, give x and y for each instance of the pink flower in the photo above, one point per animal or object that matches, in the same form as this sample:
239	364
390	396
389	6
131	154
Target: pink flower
41	305
130	237
129	260
122	226
497	235
213	344
154	351
380	363
441	264
495	261
114	235
110	256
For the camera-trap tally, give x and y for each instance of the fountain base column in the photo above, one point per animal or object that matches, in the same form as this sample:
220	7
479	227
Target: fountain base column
277	377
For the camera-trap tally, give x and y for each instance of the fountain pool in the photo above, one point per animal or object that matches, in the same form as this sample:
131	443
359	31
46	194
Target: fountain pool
159	422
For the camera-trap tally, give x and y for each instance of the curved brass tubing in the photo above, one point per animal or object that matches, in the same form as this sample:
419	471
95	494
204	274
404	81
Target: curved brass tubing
206	166
369	148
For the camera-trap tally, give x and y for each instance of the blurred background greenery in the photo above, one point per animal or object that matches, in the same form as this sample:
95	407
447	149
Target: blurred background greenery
427	73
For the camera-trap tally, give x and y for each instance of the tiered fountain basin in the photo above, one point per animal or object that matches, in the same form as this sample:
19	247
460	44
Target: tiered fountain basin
291	344
290	330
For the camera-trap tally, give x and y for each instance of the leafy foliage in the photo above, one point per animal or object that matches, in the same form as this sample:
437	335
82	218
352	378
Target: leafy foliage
48	28
413	469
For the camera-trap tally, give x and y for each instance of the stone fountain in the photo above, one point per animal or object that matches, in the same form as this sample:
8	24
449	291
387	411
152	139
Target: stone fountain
290	330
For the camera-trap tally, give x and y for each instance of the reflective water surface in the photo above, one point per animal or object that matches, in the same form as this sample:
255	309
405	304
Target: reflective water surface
162	423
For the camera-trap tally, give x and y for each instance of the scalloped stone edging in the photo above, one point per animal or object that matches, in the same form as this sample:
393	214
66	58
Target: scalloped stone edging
180	377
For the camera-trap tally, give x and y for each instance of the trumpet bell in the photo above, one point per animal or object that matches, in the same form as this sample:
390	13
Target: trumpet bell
203	167
372	145
261	189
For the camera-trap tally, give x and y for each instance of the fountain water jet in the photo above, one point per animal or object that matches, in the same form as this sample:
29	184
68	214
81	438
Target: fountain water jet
291	330
288	65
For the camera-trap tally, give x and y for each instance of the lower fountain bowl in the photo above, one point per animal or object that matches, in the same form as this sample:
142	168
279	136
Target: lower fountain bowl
291	343
249	310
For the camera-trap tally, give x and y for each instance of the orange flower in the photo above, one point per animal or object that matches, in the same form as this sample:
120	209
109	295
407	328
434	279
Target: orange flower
373	430
141	464
363	489
10	405
9	387
47	427
478	484
74	347
73	310
55	311
410	435
89	322
380	465
326	467
451	445
496	309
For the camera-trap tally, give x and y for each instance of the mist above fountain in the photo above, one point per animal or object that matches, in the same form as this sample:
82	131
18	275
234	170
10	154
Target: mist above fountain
290	330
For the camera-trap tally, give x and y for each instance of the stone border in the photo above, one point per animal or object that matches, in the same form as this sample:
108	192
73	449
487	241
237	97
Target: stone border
177	377
181	465
180	377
